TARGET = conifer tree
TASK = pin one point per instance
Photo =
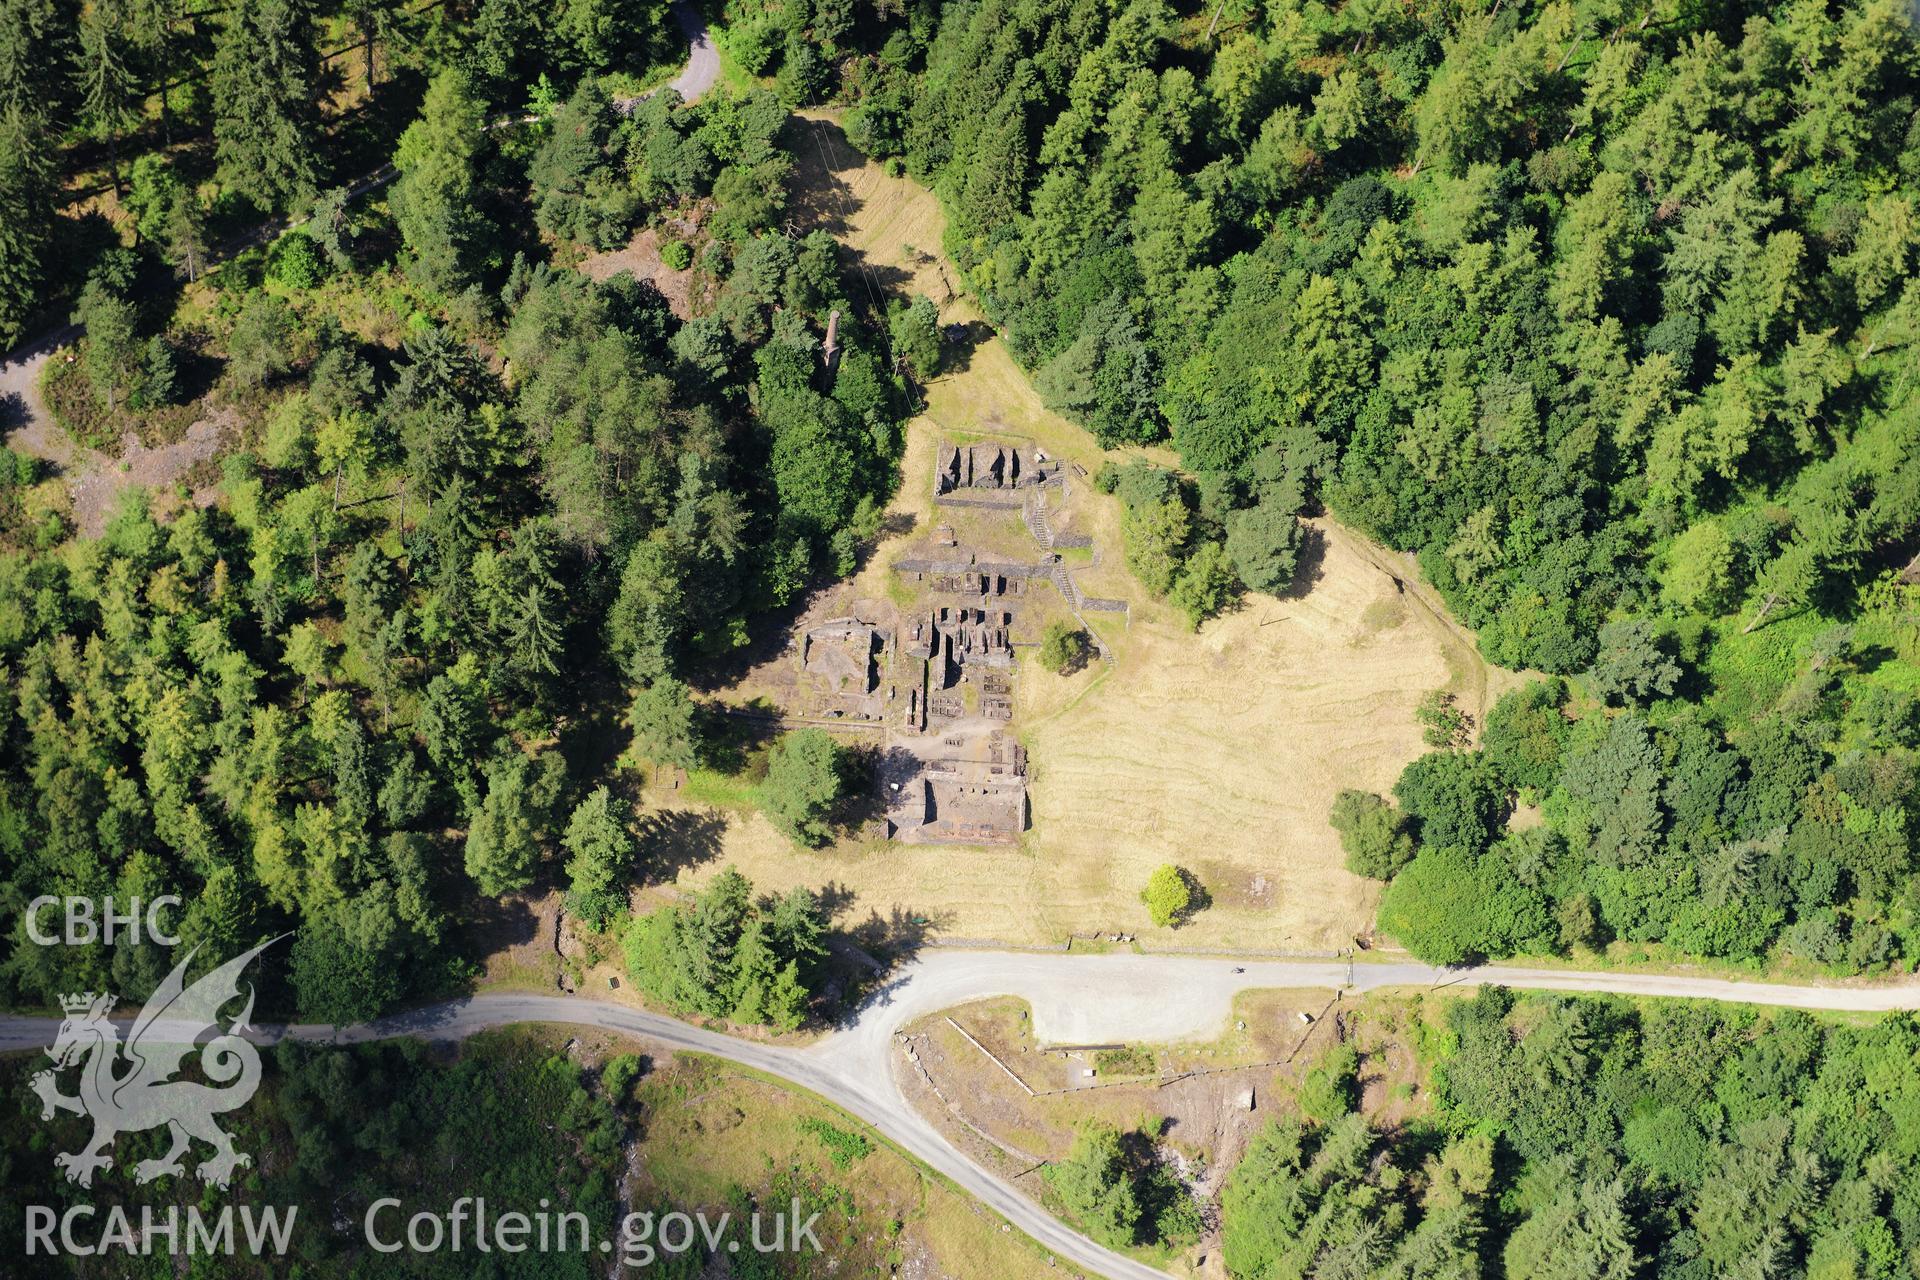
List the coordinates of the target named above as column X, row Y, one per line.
column 26, row 217
column 109, row 89
column 434, row 199
column 501, row 845
column 266, row 125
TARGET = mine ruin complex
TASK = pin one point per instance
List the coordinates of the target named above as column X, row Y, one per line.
column 936, row 677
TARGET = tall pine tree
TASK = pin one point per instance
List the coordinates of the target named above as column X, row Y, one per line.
column 37, row 57
column 26, row 215
column 266, row 125
column 433, row 201
column 110, row 94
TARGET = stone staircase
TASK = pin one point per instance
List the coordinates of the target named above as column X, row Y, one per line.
column 1033, row 511
column 1076, row 601
column 1069, row 589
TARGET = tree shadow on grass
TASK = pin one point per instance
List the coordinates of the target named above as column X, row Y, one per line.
column 676, row 840
column 959, row 342
column 731, row 736
column 505, row 922
column 866, row 953
column 1309, row 566
column 899, row 935
column 864, row 970
column 1198, row 899
column 865, row 800
column 886, row 940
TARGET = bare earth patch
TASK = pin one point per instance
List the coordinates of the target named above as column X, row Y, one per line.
column 94, row 479
column 641, row 256
column 97, row 484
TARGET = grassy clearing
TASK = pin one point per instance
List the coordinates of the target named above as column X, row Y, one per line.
column 1749, row 671
column 712, row 1128
column 721, row 790
column 1220, row 751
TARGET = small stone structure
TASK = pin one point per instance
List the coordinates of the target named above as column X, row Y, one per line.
column 841, row 651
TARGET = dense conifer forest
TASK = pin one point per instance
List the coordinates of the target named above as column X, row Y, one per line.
column 488, row 513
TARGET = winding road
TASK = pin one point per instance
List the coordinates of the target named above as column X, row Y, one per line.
column 1075, row 999
column 703, row 62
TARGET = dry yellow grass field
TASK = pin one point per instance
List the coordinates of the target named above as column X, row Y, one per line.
column 711, row 1128
column 1220, row 751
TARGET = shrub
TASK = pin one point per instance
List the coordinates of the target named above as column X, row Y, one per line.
column 677, row 255
column 296, row 262
column 1373, row 834
column 1332, row 1089
column 844, row 1146
column 618, row 1076
column 1442, row 723
column 1172, row 895
column 1063, row 648
column 596, row 908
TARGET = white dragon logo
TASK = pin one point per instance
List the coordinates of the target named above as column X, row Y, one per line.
column 145, row 1096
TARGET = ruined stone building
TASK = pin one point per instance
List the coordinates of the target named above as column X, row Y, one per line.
column 841, row 651
column 990, row 466
column 953, row 638
column 978, row 797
